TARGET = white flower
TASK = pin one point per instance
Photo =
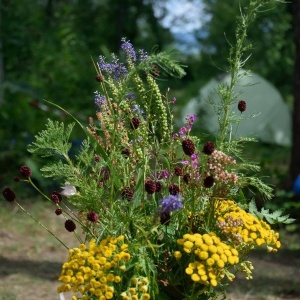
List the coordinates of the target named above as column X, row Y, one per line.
column 68, row 190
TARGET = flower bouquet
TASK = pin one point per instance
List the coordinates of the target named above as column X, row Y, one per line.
column 162, row 211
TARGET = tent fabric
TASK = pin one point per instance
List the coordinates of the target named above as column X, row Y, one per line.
column 267, row 116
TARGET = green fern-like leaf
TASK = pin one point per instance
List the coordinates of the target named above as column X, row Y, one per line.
column 52, row 141
column 58, row 170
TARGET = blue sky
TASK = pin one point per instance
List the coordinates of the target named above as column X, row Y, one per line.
column 183, row 18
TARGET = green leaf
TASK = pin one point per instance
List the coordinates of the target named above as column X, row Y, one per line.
column 52, row 141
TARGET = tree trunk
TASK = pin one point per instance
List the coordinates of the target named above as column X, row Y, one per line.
column 295, row 153
column 1, row 62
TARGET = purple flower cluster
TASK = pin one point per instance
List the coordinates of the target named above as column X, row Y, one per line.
column 142, row 55
column 190, row 119
column 129, row 96
column 115, row 69
column 171, row 203
column 138, row 110
column 128, row 49
column 99, row 100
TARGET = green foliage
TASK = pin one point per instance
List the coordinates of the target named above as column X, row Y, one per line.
column 271, row 217
column 54, row 140
column 271, row 37
column 176, row 200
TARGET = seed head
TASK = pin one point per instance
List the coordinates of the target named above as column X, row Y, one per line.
column 135, row 123
column 125, row 152
column 188, row 147
column 127, row 193
column 92, row 216
column 56, row 197
column 208, row 148
column 8, row 194
column 104, row 173
column 97, row 158
column 187, row 178
column 58, row 211
column 158, row 186
column 242, row 106
column 70, row 225
column 165, row 218
column 208, row 181
column 25, row 171
column 178, row 171
column 150, row 186
column 174, row 189
column 99, row 78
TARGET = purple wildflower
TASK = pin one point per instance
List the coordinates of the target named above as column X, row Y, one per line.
column 171, row 203
column 194, row 158
column 142, row 55
column 163, row 174
column 175, row 136
column 129, row 95
column 138, row 110
column 99, row 100
column 183, row 131
column 190, row 120
column 115, row 69
column 128, row 49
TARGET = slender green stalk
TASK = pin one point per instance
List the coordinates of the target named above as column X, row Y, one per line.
column 38, row 222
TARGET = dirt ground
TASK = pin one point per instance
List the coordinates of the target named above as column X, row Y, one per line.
column 30, row 260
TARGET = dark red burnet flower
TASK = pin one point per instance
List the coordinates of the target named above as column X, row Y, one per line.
column 158, row 186
column 99, row 78
column 188, row 147
column 56, row 197
column 178, row 171
column 97, row 158
column 242, row 106
column 25, row 171
column 8, row 194
column 135, row 123
column 104, row 173
column 58, row 211
column 208, row 148
column 17, row 179
column 208, row 181
column 125, row 152
column 174, row 189
column 92, row 216
column 127, row 193
column 186, row 178
column 165, row 218
column 70, row 225
column 150, row 186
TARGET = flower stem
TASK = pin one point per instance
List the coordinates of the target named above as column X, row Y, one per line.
column 38, row 222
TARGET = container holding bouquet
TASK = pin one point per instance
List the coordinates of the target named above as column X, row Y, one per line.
column 162, row 211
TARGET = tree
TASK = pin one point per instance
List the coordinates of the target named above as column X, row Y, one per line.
column 270, row 36
column 295, row 153
column 47, row 55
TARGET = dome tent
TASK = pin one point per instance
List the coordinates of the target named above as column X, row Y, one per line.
column 272, row 119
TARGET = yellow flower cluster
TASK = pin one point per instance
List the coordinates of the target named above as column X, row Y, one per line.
column 235, row 222
column 95, row 270
column 138, row 289
column 212, row 256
